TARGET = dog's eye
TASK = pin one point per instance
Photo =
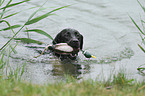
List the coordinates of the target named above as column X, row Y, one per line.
column 77, row 34
column 67, row 34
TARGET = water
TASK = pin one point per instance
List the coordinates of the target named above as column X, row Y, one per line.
column 108, row 33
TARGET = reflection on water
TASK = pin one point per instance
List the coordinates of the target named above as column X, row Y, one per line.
column 71, row 68
column 51, row 70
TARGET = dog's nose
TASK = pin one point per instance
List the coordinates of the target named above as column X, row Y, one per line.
column 75, row 41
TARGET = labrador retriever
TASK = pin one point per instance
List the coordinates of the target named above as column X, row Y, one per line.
column 73, row 38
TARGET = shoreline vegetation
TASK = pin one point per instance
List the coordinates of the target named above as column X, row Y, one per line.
column 11, row 83
column 141, row 68
column 120, row 86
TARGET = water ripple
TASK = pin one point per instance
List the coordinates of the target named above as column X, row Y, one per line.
column 127, row 53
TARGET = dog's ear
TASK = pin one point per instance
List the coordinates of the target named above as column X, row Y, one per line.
column 57, row 39
column 81, row 42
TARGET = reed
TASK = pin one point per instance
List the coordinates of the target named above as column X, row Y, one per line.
column 142, row 35
column 30, row 21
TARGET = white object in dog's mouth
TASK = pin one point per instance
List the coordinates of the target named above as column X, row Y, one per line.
column 64, row 47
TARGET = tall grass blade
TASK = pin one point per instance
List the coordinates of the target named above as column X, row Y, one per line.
column 2, row 2
column 44, row 16
column 142, row 21
column 11, row 27
column 14, row 4
column 27, row 40
column 141, row 6
column 40, row 32
column 13, row 48
column 1, row 21
column 20, row 29
column 35, row 20
column 2, row 64
column 141, row 68
column 17, row 13
column 10, row 15
column 23, row 69
column 15, row 72
column 8, row 25
column 2, row 61
column 142, row 39
column 137, row 25
column 35, row 12
column 5, row 8
column 141, row 48
column 28, row 36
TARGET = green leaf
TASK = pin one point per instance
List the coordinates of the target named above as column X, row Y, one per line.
column 142, row 39
column 2, row 63
column 44, row 16
column 35, row 20
column 19, row 29
column 141, row 6
column 1, row 2
column 11, row 15
column 17, row 13
column 14, row 4
column 137, row 25
column 142, row 21
column 141, row 48
column 28, row 36
column 13, row 48
column 23, row 68
column 11, row 27
column 7, row 24
column 5, row 8
column 141, row 68
column 35, row 12
column 40, row 32
column 27, row 40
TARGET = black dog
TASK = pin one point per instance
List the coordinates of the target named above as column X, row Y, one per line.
column 73, row 38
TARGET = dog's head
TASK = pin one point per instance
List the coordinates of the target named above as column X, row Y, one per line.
column 70, row 36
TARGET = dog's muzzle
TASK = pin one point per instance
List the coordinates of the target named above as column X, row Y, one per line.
column 74, row 43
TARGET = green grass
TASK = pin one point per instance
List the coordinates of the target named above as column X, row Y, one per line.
column 12, row 87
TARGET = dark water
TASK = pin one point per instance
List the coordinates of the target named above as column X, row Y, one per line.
column 108, row 34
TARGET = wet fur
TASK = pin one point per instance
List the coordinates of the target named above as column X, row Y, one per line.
column 73, row 38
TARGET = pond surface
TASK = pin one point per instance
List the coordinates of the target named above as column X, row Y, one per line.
column 108, row 34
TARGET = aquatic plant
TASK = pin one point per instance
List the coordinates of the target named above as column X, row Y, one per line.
column 30, row 21
column 7, row 48
column 142, row 31
column 142, row 35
